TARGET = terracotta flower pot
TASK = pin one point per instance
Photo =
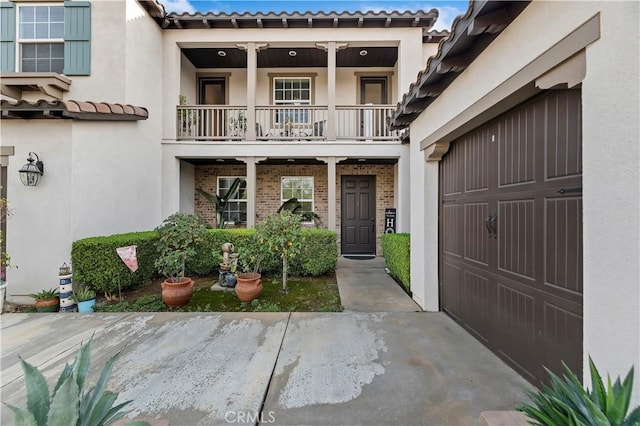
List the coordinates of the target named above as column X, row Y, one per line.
column 48, row 305
column 249, row 286
column 177, row 294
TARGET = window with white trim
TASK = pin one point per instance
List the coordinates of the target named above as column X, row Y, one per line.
column 41, row 38
column 300, row 187
column 236, row 209
column 292, row 91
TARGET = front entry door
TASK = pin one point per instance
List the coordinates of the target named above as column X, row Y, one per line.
column 358, row 230
column 213, row 92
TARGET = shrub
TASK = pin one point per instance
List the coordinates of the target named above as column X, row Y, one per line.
column 97, row 265
column 318, row 253
column 566, row 402
column 70, row 402
column 395, row 249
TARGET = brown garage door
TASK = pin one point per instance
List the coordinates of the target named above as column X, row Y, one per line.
column 511, row 234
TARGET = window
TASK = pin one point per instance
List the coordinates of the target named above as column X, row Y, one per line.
column 41, row 38
column 292, row 91
column 300, row 188
column 236, row 210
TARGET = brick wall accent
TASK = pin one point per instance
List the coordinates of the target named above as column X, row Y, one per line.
column 385, row 196
column 268, row 189
column 268, row 184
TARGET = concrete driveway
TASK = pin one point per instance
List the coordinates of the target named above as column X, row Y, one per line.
column 273, row 368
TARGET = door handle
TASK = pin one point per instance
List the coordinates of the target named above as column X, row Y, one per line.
column 491, row 223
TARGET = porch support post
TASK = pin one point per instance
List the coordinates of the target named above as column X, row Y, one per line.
column 251, row 191
column 252, row 78
column 331, row 91
column 331, row 193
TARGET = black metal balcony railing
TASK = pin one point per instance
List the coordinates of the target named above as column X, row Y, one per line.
column 225, row 122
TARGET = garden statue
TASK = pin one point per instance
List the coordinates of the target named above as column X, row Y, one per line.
column 228, row 267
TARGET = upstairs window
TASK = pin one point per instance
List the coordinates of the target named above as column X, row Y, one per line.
column 292, row 91
column 41, row 38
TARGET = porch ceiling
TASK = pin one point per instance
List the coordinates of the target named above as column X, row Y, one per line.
column 281, row 58
column 288, row 161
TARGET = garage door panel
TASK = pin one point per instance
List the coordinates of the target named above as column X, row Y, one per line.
column 476, row 303
column 517, row 136
column 453, row 229
column 451, row 178
column 516, row 229
column 516, row 335
column 563, row 145
column 563, row 243
column 451, row 289
column 519, row 293
column 476, row 160
column 476, row 239
column 562, row 332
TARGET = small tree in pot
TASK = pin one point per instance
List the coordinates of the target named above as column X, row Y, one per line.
column 281, row 233
column 178, row 235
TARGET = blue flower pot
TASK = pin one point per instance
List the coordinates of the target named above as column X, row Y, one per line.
column 86, row 305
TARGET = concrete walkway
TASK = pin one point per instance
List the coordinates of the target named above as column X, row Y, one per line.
column 378, row 363
column 365, row 287
column 272, row 368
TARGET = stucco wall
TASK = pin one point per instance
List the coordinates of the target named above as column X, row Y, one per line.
column 611, row 154
column 101, row 177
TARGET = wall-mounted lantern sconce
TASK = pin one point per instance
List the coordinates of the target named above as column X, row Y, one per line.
column 31, row 172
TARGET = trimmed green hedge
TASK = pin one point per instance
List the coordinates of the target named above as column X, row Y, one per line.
column 97, row 265
column 395, row 249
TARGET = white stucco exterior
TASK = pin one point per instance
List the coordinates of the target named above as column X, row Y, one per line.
column 611, row 159
column 108, row 177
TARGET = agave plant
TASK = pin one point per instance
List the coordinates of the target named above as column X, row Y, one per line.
column 70, row 403
column 566, row 402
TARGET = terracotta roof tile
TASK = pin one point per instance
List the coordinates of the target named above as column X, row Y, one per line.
column 72, row 109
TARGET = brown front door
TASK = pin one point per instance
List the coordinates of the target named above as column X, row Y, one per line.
column 358, row 230
column 511, row 234
column 212, row 91
column 373, row 91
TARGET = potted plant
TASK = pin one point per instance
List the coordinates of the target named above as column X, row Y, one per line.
column 47, row 300
column 249, row 283
column 186, row 121
column 238, row 125
column 86, row 299
column 177, row 237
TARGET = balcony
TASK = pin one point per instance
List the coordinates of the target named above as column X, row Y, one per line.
column 284, row 123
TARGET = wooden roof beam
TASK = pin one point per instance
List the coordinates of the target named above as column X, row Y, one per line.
column 431, row 90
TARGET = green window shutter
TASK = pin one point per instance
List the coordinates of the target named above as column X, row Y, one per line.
column 77, row 38
column 7, row 37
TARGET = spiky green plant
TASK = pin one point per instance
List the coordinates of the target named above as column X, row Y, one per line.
column 221, row 202
column 70, row 403
column 566, row 402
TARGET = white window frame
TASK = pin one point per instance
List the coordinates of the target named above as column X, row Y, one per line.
column 302, row 116
column 22, row 41
column 313, row 191
column 241, row 200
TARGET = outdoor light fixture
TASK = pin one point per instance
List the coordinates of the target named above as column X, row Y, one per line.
column 222, row 53
column 31, row 172
column 363, row 52
column 292, row 53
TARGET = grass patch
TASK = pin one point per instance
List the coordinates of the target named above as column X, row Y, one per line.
column 306, row 294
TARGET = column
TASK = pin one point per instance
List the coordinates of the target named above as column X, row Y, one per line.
column 331, row 193
column 252, row 78
column 251, row 190
column 331, row 91
column 403, row 191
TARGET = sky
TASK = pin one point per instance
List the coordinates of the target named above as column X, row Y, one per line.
column 448, row 9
